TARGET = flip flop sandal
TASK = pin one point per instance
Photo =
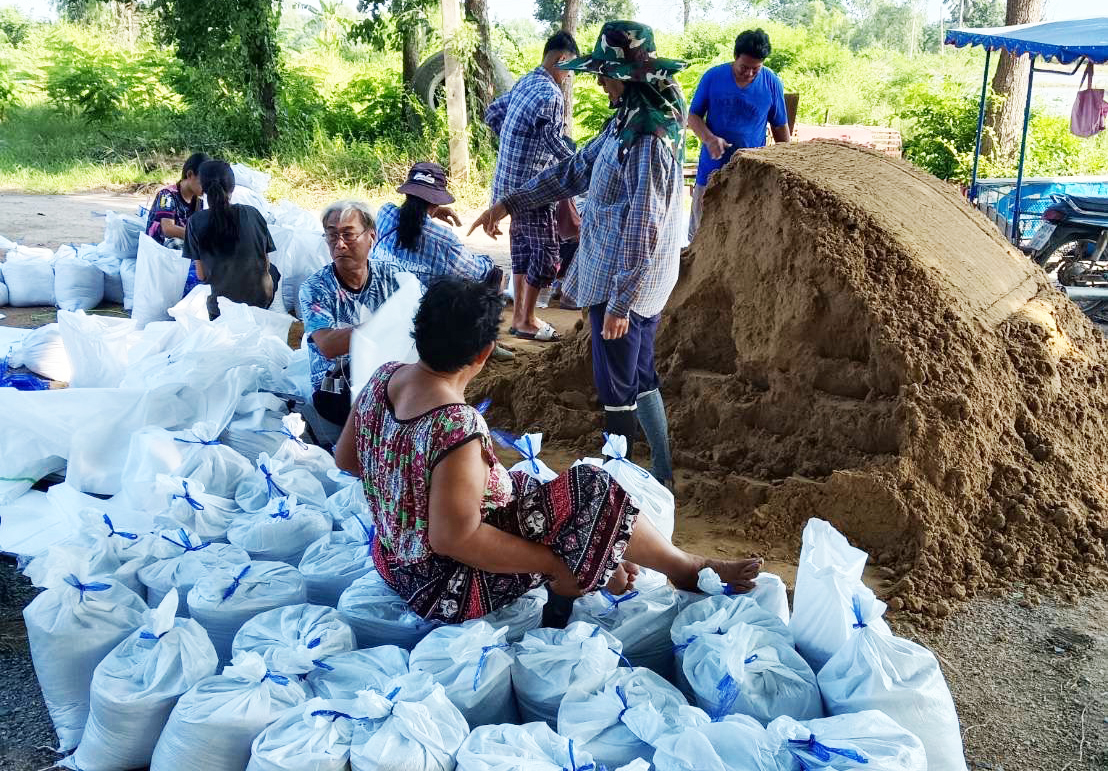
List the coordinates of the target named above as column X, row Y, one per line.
column 545, row 335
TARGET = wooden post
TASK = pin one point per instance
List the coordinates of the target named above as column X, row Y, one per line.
column 455, row 94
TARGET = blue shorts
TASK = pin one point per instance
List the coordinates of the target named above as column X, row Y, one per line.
column 623, row 369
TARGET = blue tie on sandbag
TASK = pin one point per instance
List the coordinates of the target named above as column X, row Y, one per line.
column 823, row 752
column 112, row 531
column 75, row 582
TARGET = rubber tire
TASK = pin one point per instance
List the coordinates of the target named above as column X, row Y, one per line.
column 432, row 73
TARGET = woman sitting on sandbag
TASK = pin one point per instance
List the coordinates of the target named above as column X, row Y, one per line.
column 230, row 244
column 174, row 205
column 458, row 537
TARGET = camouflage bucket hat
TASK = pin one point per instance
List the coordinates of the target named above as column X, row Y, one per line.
column 625, row 51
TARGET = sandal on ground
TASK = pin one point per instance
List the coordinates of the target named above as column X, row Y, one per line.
column 545, row 335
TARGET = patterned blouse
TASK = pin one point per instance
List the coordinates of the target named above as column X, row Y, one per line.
column 397, row 458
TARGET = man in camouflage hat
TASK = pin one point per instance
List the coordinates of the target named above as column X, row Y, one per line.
column 627, row 261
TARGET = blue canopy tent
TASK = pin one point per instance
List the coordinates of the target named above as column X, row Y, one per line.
column 1066, row 42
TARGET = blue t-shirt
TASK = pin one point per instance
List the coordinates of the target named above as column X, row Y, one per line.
column 738, row 115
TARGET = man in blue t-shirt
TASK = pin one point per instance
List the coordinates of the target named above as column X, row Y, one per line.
column 730, row 109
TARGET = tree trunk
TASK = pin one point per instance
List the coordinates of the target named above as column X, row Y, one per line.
column 411, row 51
column 1005, row 120
column 483, row 83
column 688, row 11
column 570, row 14
column 259, row 36
column 455, row 96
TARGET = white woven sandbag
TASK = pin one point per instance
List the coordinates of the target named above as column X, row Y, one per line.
column 128, row 274
column 195, row 453
column 43, row 352
column 300, row 253
column 366, row 669
column 386, row 334
column 187, row 505
column 110, row 264
column 78, row 284
column 227, row 598
column 97, row 347
column 473, row 662
column 349, row 500
column 294, row 639
column 333, row 562
column 160, row 276
column 314, row 736
column 309, row 457
column 650, row 496
column 182, row 573
column 871, row 740
column 108, row 551
column 519, row 616
column 71, row 627
column 875, row 671
column 641, row 620
column 749, row 670
column 247, row 197
column 278, row 479
column 380, row 616
column 137, row 685
column 216, row 721
column 281, row 532
column 528, row 747
column 3, row 294
column 769, row 591
column 251, row 179
column 735, row 742
column 828, row 576
column 411, row 725
column 548, row 662
column 623, row 718
column 529, row 446
column 290, row 215
column 257, row 426
column 121, row 233
column 29, row 276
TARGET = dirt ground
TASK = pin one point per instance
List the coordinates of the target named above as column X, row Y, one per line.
column 1029, row 675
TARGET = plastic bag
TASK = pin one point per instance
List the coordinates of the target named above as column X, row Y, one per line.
column 529, row 446
column 215, row 722
column 300, row 253
column 735, row 742
column 111, row 266
column 257, row 426
column 97, row 347
column 875, row 671
column 641, row 620
column 473, row 662
column 43, row 352
column 294, row 452
column 252, row 179
column 387, row 334
column 519, row 616
column 136, row 686
column 188, row 506
column 311, row 737
column 278, row 479
column 335, row 561
column 160, row 275
column 71, row 627
column 620, row 721
column 871, row 740
column 380, row 616
column 650, row 496
column 412, row 726
column 349, row 500
column 29, row 276
column 366, row 669
column 529, row 747
column 227, row 598
column 294, row 639
column 548, row 662
column 78, row 285
column 128, row 273
column 769, row 591
column 827, row 578
column 122, row 232
column 281, row 532
column 183, row 572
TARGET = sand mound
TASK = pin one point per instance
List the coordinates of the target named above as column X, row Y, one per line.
column 851, row 340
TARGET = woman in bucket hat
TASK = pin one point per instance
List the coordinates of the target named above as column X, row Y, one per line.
column 628, row 257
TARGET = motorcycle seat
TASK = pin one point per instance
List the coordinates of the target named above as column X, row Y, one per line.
column 1098, row 205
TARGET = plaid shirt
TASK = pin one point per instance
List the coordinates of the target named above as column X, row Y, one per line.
column 440, row 252
column 631, row 226
column 530, row 122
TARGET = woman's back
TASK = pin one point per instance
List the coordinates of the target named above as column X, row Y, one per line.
column 236, row 268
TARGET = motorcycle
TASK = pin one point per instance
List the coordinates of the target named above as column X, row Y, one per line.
column 1071, row 245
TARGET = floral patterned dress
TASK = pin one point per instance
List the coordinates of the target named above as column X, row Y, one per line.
column 583, row 515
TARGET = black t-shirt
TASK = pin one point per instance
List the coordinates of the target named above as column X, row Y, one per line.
column 238, row 271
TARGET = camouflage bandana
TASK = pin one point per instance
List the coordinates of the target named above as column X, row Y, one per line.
column 652, row 102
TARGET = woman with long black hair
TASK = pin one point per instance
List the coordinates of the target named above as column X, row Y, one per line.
column 230, row 244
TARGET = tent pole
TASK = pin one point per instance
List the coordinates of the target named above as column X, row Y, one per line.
column 980, row 126
column 1017, row 235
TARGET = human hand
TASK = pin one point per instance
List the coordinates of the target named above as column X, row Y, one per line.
column 447, row 215
column 489, row 220
column 563, row 582
column 717, row 146
column 614, row 327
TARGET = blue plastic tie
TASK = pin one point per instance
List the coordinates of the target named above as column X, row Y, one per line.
column 686, row 644
column 623, row 698
column 614, row 602
column 483, row 406
column 321, row 665
column 392, row 694
column 20, row 381
column 205, row 442
column 75, row 582
column 283, row 432
column 334, row 714
column 638, row 470
column 622, row 659
column 230, row 590
column 823, row 752
column 196, row 505
column 279, row 679
column 856, row 603
column 485, row 651
column 151, row 636
column 271, row 486
column 282, row 510
column 187, row 545
column 573, row 762
column 112, row 531
column 370, row 531
column 529, row 453
column 728, row 695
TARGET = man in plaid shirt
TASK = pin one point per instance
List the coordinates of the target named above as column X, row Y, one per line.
column 627, row 262
column 530, row 121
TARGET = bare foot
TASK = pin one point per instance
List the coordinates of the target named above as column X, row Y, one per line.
column 619, row 581
column 740, row 574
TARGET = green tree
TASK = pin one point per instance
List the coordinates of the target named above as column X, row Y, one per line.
column 329, row 24
column 14, row 26
column 592, row 12
column 398, row 25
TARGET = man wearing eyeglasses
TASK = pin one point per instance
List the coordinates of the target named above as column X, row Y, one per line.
column 332, row 299
column 732, row 105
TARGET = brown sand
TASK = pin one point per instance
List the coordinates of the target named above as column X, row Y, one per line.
column 850, row 340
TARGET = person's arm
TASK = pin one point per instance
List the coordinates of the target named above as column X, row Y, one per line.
column 319, row 324
column 779, row 115
column 551, row 126
column 332, row 343
column 495, row 114
column 170, row 228
column 698, row 109
column 781, row 134
column 190, row 250
column 455, row 529
column 346, row 453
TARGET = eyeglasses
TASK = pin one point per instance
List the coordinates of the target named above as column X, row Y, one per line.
column 347, row 237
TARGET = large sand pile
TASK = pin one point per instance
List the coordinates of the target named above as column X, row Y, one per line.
column 851, row 340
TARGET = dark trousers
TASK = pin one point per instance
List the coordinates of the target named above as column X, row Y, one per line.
column 623, row 368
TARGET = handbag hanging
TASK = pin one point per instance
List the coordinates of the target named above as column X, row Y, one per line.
column 1089, row 111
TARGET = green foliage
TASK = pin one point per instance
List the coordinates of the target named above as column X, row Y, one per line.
column 14, row 26
column 944, row 127
column 593, row 12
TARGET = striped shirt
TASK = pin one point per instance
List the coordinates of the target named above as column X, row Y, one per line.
column 439, row 253
column 630, row 229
